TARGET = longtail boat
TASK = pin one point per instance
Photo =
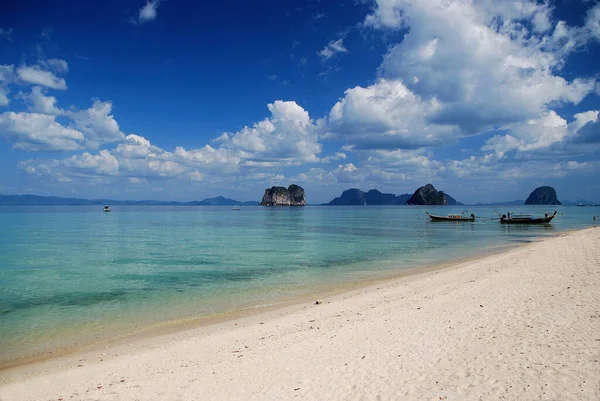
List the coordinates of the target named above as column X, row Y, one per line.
column 526, row 219
column 451, row 217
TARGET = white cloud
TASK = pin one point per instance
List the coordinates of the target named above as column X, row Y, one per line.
column 6, row 77
column 592, row 21
column 334, row 47
column 221, row 159
column 335, row 156
column 58, row 65
column 549, row 132
column 40, row 103
column 38, row 132
column 288, row 136
column 97, row 123
column 4, row 100
column 196, row 176
column 35, row 75
column 385, row 115
column 477, row 59
column 102, row 163
column 148, row 12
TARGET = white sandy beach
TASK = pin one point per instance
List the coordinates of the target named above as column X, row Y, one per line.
column 522, row 325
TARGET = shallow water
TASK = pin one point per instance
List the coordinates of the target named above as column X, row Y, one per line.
column 71, row 275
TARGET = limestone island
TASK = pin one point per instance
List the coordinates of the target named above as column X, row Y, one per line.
column 428, row 195
column 543, row 196
column 282, row 196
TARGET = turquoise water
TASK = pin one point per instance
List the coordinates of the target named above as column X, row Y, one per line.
column 72, row 275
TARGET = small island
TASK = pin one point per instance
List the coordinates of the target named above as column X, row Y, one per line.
column 282, row 196
column 428, row 195
column 543, row 196
column 355, row 196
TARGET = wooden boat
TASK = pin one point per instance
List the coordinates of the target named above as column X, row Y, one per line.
column 452, row 217
column 526, row 219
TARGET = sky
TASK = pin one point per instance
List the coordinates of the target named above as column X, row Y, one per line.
column 180, row 100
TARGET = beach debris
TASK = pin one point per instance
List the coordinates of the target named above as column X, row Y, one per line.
column 481, row 306
column 99, row 386
column 296, row 389
column 318, row 302
column 122, row 380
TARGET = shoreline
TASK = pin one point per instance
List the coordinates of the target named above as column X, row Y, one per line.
column 98, row 356
column 174, row 326
column 522, row 324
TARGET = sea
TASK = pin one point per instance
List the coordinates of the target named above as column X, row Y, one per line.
column 72, row 276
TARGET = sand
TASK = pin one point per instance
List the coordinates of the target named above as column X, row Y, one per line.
column 521, row 325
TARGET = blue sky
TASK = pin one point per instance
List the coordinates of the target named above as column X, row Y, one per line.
column 182, row 100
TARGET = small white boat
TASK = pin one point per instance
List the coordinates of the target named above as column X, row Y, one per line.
column 235, row 208
column 106, row 208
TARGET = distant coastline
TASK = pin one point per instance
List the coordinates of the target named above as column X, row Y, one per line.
column 38, row 200
column 28, row 199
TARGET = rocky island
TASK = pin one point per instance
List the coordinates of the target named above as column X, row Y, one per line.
column 543, row 196
column 282, row 196
column 355, row 196
column 428, row 195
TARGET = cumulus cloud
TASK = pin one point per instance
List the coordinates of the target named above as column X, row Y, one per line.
column 102, row 163
column 94, row 126
column 4, row 100
column 334, row 47
column 6, row 78
column 148, row 11
column 40, row 103
column 37, row 76
column 289, row 135
column 97, row 124
column 549, row 132
column 286, row 138
column 462, row 67
column 57, row 65
column 386, row 115
column 477, row 59
column 38, row 132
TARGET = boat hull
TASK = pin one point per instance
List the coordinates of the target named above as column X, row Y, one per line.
column 447, row 218
column 539, row 220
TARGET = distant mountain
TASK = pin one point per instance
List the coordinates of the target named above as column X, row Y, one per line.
column 55, row 200
column 428, row 195
column 507, row 203
column 543, row 196
column 579, row 202
column 355, row 196
column 222, row 201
